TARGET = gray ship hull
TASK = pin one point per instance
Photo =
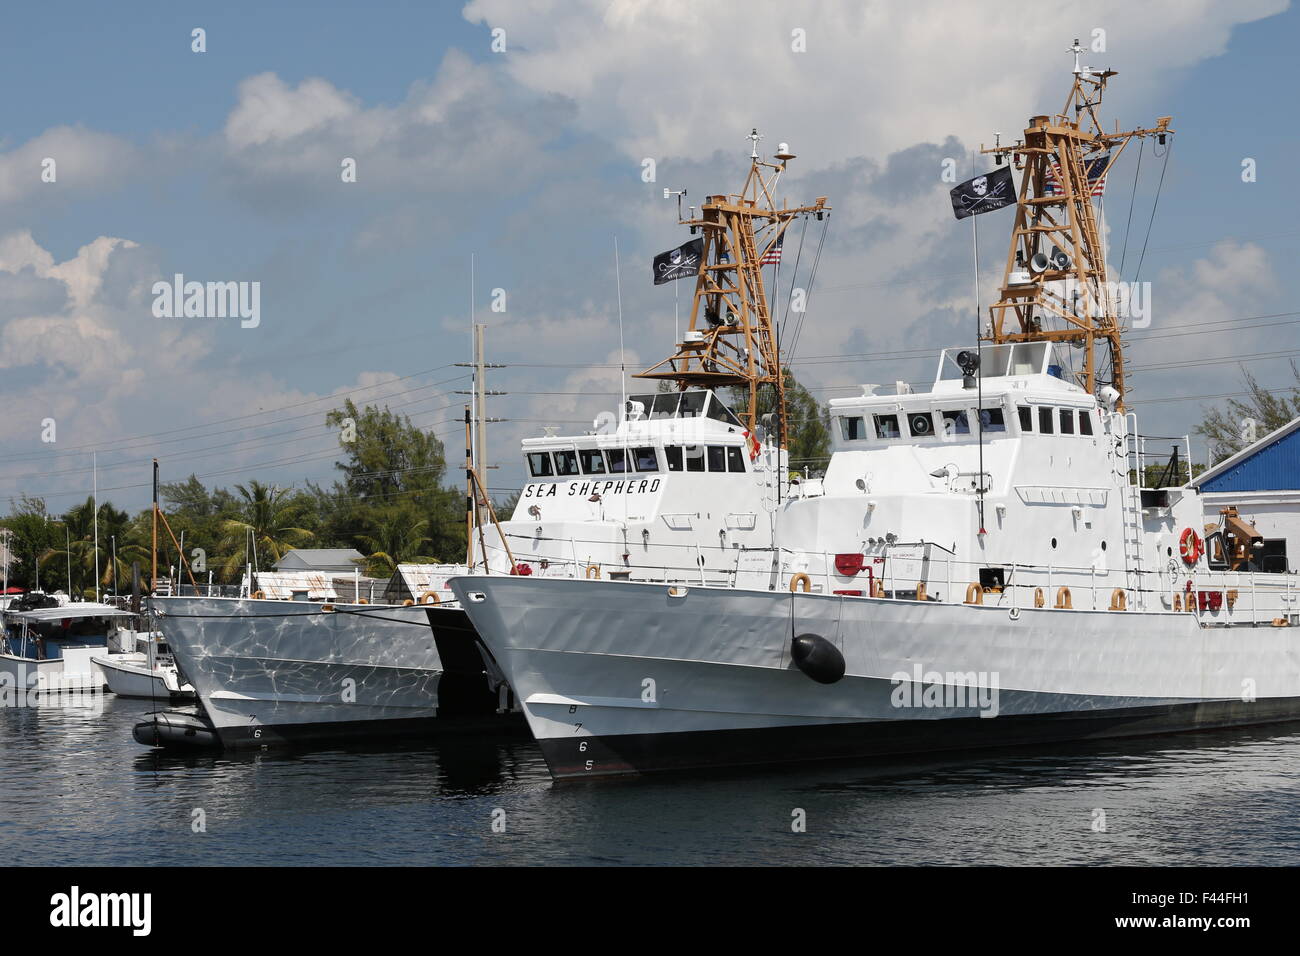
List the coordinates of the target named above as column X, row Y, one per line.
column 622, row 678
column 273, row 672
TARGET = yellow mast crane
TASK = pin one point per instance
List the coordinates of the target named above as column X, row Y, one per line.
column 1056, row 265
column 731, row 339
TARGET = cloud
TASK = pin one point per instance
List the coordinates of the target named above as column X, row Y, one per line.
column 667, row 77
column 467, row 133
column 84, row 349
column 85, row 161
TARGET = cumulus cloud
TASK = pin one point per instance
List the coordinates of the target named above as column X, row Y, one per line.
column 664, row 77
column 467, row 128
column 84, row 161
column 85, row 350
column 883, row 93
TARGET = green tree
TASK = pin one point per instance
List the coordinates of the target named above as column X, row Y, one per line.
column 1242, row 421
column 74, row 554
column 270, row 517
column 392, row 473
column 385, row 454
column 196, row 516
column 31, row 535
column 807, row 422
column 394, row 535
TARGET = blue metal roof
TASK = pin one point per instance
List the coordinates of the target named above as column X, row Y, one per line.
column 1273, row 464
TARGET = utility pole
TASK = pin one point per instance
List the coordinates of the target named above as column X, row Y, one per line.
column 479, row 393
column 94, row 472
column 480, row 396
column 153, row 574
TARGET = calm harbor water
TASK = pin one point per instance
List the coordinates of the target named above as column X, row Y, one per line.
column 76, row 789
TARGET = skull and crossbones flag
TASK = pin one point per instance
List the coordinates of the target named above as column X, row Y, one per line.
column 679, row 263
column 983, row 193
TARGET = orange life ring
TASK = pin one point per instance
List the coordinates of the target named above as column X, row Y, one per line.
column 1190, row 546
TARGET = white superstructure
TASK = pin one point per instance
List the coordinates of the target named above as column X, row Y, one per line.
column 984, row 549
column 677, row 491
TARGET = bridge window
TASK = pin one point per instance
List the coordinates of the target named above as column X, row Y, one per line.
column 673, row 455
column 717, row 458
column 735, row 460
column 721, row 413
column 616, row 463
column 1067, row 421
column 887, row 426
column 1026, row 418
column 593, row 462
column 645, row 459
column 1045, row 421
column 992, row 420
column 539, row 463
column 853, row 428
column 566, row 463
column 692, row 404
column 956, row 422
column 694, row 457
column 920, row 424
column 1085, row 422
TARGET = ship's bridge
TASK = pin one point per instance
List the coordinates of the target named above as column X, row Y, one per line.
column 916, row 442
column 692, row 431
column 672, row 488
column 1042, row 364
column 1006, row 391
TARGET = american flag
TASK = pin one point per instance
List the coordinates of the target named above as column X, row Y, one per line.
column 773, row 254
column 1097, row 170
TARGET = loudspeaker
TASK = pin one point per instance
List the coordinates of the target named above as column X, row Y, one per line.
column 1039, row 262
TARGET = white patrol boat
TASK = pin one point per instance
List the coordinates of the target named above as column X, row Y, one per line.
column 678, row 489
column 986, row 564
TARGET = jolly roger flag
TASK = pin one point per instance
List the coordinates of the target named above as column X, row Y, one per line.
column 983, row 194
column 679, row 263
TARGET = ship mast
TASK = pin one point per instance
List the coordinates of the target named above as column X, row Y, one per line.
column 1055, row 285
column 731, row 339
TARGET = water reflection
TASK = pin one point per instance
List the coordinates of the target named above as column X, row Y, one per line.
column 94, row 796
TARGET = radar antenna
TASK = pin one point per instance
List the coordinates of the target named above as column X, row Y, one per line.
column 731, row 340
column 1055, row 287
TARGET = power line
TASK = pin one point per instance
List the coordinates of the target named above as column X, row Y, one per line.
column 222, row 421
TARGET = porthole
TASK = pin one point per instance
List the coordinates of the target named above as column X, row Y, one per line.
column 1169, row 552
column 1103, row 546
column 1053, row 544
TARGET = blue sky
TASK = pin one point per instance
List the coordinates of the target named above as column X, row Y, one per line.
column 224, row 166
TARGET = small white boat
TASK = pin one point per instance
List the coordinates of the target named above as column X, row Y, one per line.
column 149, row 673
column 54, row 648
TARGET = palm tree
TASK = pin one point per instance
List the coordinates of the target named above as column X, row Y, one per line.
column 393, row 539
column 79, row 549
column 268, row 515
